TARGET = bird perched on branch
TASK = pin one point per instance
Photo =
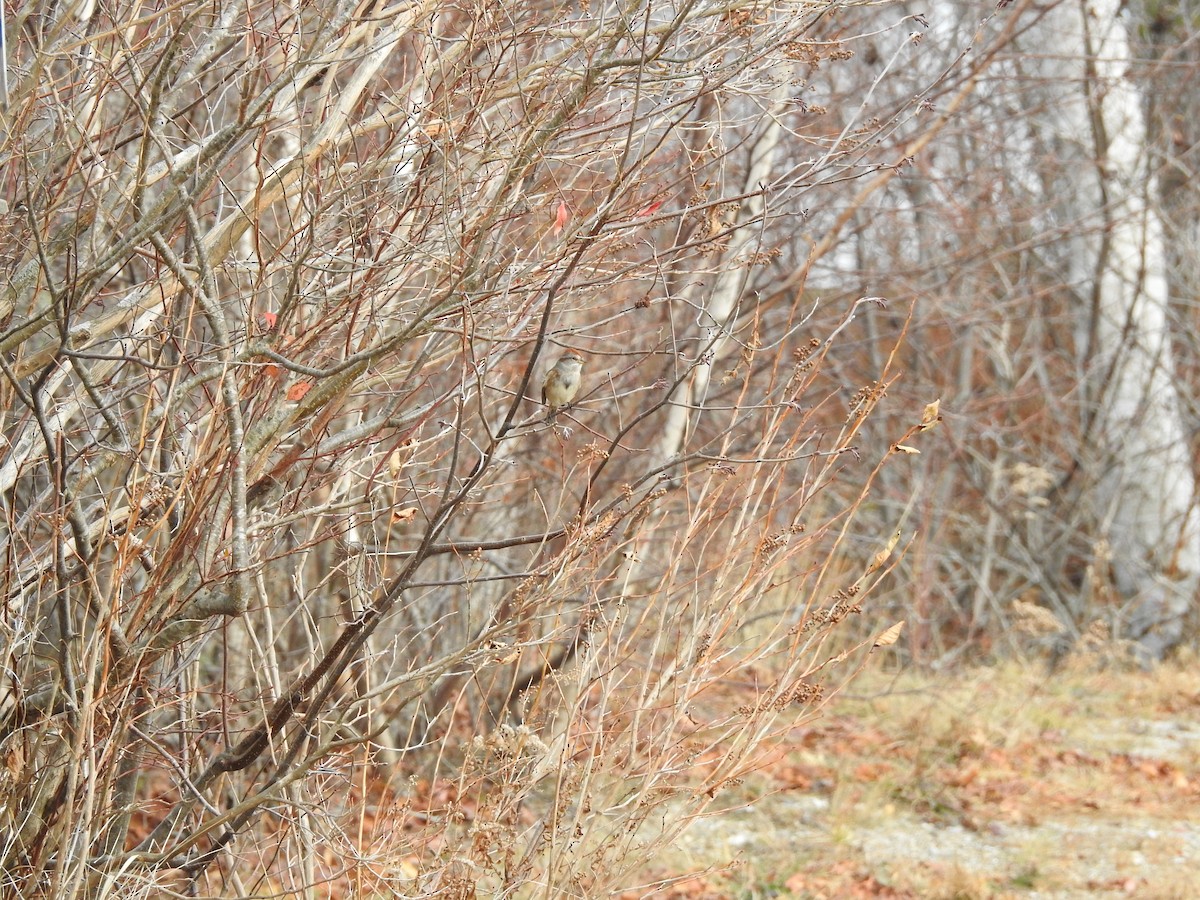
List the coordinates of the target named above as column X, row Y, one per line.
column 562, row 382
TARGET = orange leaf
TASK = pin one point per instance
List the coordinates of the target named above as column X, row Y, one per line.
column 272, row 370
column 298, row 390
column 403, row 515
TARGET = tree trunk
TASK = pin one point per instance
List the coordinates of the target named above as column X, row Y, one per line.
column 1145, row 483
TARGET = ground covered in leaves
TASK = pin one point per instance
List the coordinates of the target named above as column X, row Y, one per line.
column 998, row 782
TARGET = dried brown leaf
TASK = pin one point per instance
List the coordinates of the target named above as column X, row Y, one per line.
column 890, row 636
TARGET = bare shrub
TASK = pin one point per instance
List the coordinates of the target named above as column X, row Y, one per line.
column 301, row 586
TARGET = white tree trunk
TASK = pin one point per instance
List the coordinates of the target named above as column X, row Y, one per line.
column 1146, row 485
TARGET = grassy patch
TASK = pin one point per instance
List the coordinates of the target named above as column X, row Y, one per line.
column 993, row 782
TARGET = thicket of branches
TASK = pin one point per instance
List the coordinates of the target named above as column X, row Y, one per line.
column 990, row 240
column 301, row 586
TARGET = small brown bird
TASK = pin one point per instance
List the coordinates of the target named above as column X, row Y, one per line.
column 563, row 381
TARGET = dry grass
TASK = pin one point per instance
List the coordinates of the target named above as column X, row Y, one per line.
column 997, row 782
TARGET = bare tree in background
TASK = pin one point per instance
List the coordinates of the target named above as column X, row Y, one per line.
column 1051, row 272
column 1146, row 485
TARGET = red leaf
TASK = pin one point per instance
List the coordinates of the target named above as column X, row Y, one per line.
column 562, row 216
column 650, row 210
column 298, row 390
